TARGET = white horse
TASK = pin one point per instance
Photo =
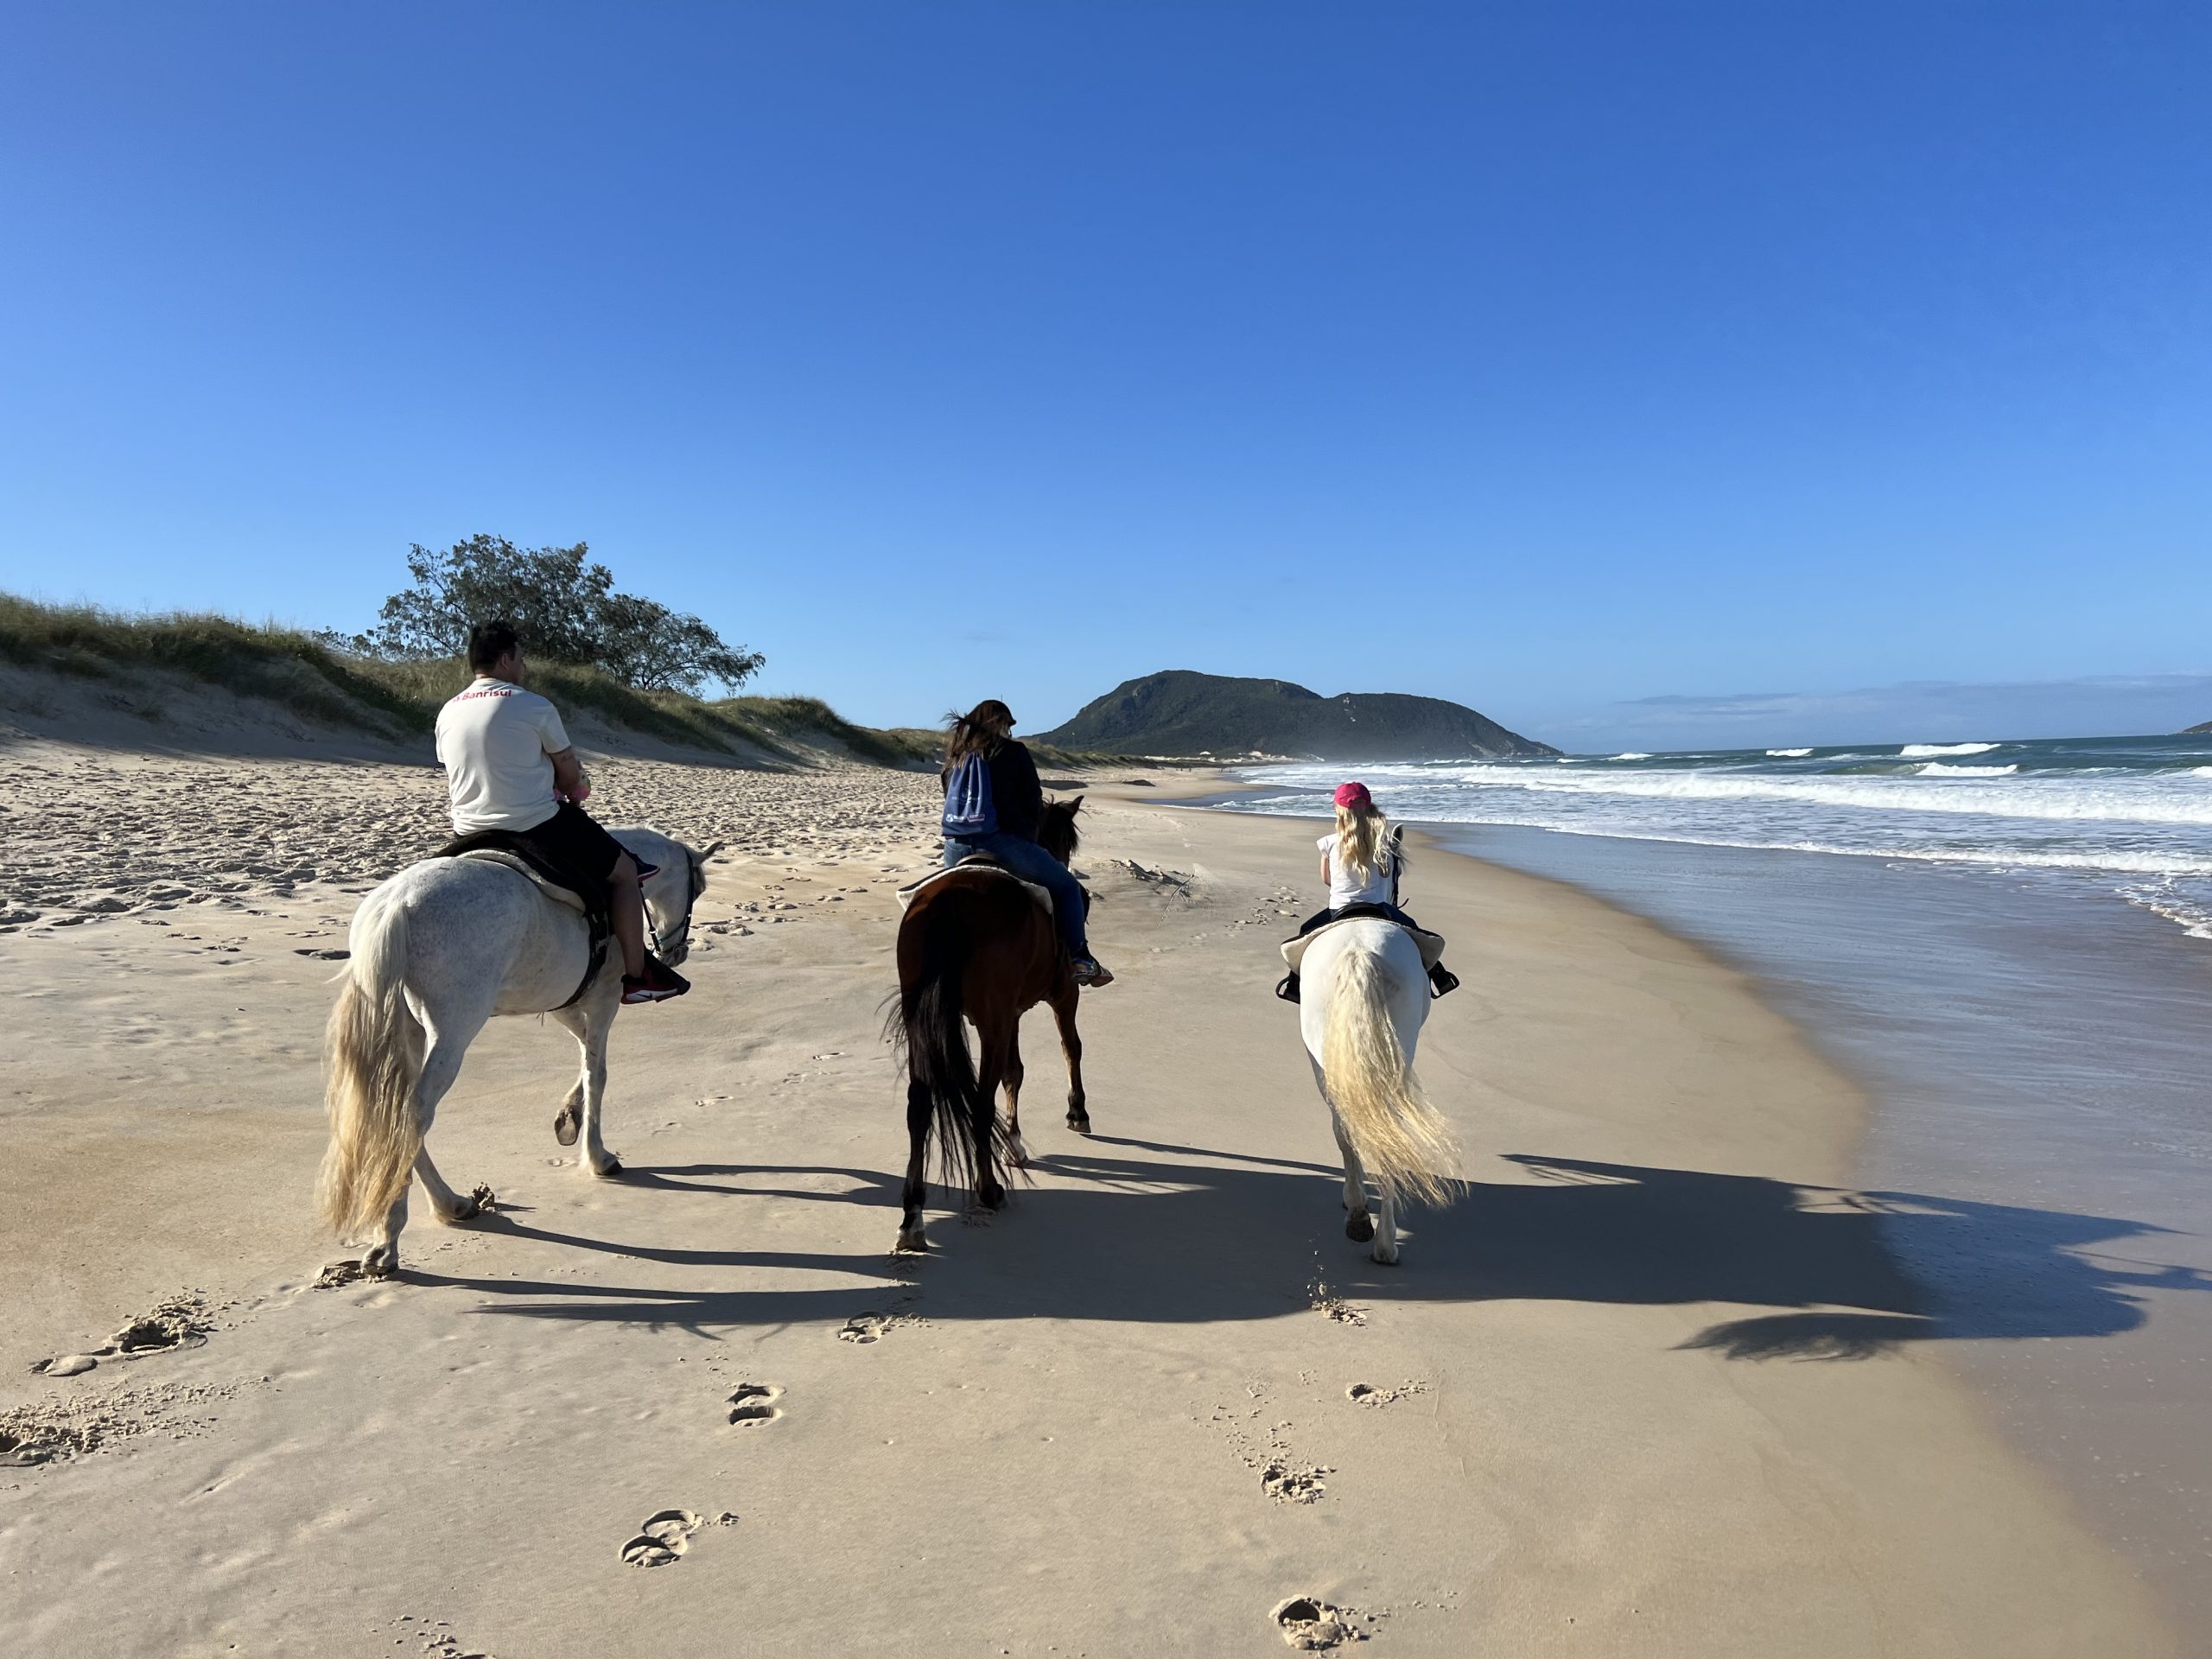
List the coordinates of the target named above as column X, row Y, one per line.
column 1365, row 995
column 438, row 949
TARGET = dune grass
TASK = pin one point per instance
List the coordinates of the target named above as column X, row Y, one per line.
column 304, row 674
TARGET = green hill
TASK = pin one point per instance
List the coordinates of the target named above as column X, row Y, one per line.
column 1183, row 713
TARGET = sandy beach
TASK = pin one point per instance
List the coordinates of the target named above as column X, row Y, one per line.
column 1600, row 1407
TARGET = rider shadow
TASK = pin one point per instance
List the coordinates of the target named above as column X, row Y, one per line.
column 1204, row 1236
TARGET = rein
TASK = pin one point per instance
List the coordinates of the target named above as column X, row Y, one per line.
column 681, row 932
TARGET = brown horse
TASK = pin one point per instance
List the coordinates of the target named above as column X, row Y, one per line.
column 978, row 946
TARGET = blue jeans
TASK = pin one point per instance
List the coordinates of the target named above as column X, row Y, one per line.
column 1032, row 863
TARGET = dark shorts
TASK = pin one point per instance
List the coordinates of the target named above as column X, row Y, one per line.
column 574, row 839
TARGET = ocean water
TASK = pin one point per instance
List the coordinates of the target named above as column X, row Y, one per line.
column 2130, row 815
column 2016, row 961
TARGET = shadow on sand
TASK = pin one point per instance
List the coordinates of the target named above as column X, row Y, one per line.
column 1200, row 1235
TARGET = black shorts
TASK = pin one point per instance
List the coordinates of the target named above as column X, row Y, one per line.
column 573, row 838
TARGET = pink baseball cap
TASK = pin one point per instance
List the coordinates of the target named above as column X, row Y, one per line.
column 1353, row 795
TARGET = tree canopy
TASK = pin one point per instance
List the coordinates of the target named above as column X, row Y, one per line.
column 563, row 604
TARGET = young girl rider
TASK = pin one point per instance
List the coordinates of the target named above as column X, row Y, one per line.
column 1361, row 862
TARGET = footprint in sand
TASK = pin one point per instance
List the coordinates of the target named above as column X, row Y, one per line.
column 662, row 1539
column 864, row 1327
column 755, row 1403
column 182, row 1321
column 1311, row 1625
column 1366, row 1394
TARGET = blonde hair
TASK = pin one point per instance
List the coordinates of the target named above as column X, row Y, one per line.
column 1363, row 846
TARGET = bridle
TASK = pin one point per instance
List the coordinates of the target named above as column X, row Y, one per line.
column 681, row 932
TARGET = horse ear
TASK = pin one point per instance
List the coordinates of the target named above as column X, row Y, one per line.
column 1073, row 806
column 700, row 858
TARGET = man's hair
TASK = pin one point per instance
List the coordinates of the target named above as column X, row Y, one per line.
column 489, row 641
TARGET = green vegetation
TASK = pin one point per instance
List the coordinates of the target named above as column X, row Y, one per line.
column 309, row 676
column 565, row 608
column 1183, row 713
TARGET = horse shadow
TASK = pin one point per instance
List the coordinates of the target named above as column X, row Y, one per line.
column 1198, row 1235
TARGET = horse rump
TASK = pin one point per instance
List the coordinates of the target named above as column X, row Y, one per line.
column 1401, row 1137
column 373, row 1047
column 944, row 1097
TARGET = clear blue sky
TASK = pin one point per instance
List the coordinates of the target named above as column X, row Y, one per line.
column 1549, row 356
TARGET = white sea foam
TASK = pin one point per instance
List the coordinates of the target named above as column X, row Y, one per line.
column 1918, row 751
column 1790, row 754
column 1938, row 769
column 1631, row 754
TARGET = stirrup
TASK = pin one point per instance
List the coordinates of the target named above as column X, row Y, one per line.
column 1442, row 982
column 1288, row 989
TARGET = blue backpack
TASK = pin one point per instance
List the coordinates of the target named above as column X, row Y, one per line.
column 970, row 812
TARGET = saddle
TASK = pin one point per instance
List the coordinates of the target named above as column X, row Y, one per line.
column 590, row 899
column 1430, row 945
column 975, row 864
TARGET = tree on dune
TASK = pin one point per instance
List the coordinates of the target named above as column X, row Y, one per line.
column 565, row 608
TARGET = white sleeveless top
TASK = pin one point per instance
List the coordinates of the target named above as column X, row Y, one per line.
column 1346, row 889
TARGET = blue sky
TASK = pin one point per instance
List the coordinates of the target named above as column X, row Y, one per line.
column 1554, row 359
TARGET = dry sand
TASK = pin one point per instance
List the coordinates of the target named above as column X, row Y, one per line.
column 1151, row 1405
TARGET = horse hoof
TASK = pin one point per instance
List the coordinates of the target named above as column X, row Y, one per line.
column 1359, row 1228
column 1017, row 1154
column 1385, row 1261
column 1079, row 1122
column 611, row 1170
column 566, row 1126
column 911, row 1242
column 381, row 1263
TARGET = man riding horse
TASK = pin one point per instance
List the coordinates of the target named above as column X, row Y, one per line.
column 510, row 766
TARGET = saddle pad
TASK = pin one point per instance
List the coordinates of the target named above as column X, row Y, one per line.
column 908, row 893
column 1432, row 945
column 560, row 895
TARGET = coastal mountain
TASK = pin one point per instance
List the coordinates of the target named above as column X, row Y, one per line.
column 2192, row 731
column 1183, row 713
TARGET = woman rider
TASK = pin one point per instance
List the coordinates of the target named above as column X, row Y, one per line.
column 1006, row 827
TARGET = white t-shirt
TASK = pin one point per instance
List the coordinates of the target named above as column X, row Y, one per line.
column 494, row 740
column 1346, row 889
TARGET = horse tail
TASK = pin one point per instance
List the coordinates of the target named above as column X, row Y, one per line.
column 1400, row 1137
column 374, row 1046
column 938, row 1065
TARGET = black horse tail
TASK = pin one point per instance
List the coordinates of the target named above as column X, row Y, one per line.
column 940, row 1072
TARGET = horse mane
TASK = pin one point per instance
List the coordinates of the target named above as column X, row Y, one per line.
column 1056, row 830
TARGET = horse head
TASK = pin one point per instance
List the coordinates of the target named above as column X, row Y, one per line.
column 1056, row 830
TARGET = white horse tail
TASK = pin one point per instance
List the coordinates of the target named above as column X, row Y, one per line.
column 374, row 1046
column 1402, row 1138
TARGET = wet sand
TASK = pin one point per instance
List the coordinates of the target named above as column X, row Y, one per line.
column 699, row 1408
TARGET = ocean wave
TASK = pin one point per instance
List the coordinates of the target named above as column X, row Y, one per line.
column 1938, row 769
column 2039, row 797
column 1789, row 754
column 1918, row 750
column 1632, row 754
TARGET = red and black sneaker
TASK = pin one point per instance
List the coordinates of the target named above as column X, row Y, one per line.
column 656, row 984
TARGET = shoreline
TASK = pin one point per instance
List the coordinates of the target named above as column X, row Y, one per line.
column 1577, row 1457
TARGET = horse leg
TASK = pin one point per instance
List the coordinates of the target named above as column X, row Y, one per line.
column 1064, row 1005
column 569, row 1118
column 917, row 1191
column 441, row 1065
column 1359, row 1226
column 590, row 1026
column 994, row 1043
column 1016, row 1153
column 1386, row 1232
column 450, row 1207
